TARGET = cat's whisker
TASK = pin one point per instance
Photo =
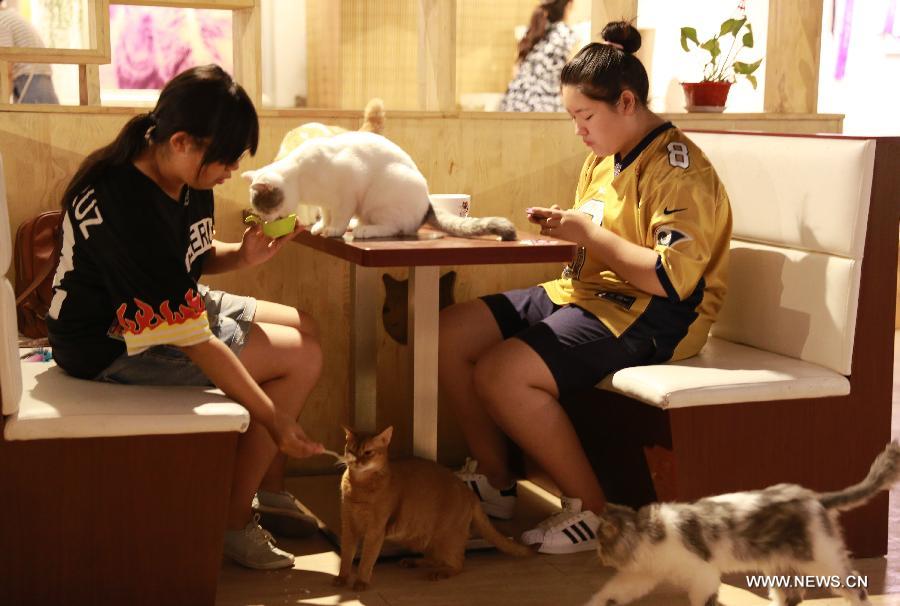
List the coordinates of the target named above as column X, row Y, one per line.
column 341, row 459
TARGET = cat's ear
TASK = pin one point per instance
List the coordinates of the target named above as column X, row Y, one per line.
column 347, row 431
column 262, row 187
column 384, row 438
column 249, row 175
column 607, row 529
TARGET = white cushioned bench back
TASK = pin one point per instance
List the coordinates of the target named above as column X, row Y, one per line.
column 800, row 207
column 10, row 369
column 5, row 232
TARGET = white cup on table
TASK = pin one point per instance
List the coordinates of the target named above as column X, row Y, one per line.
column 455, row 204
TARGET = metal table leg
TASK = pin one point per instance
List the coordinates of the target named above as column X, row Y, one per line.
column 424, row 299
column 363, row 345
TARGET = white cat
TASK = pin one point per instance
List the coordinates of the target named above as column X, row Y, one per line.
column 362, row 175
column 783, row 531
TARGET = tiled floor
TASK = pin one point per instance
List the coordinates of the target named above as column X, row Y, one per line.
column 493, row 579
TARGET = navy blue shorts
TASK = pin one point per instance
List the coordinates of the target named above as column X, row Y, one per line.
column 578, row 348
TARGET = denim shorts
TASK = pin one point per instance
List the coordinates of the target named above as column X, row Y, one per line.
column 230, row 317
column 578, row 348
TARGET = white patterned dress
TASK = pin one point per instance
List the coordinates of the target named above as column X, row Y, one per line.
column 536, row 85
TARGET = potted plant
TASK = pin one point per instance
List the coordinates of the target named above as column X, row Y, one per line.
column 721, row 71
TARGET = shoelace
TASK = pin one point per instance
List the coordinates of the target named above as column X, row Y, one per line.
column 467, row 471
column 560, row 519
column 258, row 534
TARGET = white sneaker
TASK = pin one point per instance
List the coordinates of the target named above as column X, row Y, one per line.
column 498, row 504
column 569, row 531
column 253, row 547
column 284, row 515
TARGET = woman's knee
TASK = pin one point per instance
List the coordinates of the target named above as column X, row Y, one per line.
column 308, row 325
column 465, row 331
column 307, row 355
column 508, row 373
column 490, row 377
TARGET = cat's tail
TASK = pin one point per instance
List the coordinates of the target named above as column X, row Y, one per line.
column 468, row 227
column 373, row 117
column 492, row 535
column 884, row 472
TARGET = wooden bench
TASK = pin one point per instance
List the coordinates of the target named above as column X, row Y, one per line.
column 795, row 382
column 109, row 494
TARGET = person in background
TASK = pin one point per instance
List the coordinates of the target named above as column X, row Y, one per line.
column 543, row 50
column 31, row 82
column 653, row 225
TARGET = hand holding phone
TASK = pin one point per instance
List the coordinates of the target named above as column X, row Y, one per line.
column 538, row 214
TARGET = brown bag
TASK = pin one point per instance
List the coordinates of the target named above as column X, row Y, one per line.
column 37, row 253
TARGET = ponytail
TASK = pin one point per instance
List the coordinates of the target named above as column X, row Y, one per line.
column 547, row 12
column 130, row 141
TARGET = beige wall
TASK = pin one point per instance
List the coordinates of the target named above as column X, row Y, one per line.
column 505, row 161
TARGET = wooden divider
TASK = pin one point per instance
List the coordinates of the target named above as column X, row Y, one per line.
column 505, row 161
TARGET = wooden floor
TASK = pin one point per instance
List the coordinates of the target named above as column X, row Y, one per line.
column 490, row 578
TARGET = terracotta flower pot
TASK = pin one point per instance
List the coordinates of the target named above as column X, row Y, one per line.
column 705, row 96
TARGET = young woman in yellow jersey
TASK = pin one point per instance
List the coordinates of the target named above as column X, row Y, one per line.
column 653, row 224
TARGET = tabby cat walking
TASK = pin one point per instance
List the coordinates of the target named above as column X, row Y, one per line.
column 783, row 530
column 414, row 502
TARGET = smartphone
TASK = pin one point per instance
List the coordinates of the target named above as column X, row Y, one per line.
column 536, row 213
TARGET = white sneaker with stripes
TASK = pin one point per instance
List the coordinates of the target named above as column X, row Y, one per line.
column 569, row 531
column 498, row 504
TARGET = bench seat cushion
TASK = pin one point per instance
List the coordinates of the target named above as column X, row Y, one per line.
column 725, row 373
column 55, row 405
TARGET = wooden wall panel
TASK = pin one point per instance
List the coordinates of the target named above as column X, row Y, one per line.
column 323, row 50
column 486, row 49
column 505, row 161
column 792, row 76
column 378, row 47
column 436, row 52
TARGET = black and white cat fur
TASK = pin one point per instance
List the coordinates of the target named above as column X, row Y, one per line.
column 362, row 175
column 782, row 530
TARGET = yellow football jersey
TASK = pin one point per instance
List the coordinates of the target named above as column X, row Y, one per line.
column 664, row 195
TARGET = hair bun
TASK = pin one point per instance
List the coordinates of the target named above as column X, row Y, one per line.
column 624, row 34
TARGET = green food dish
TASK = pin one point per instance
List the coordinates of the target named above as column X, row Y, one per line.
column 278, row 227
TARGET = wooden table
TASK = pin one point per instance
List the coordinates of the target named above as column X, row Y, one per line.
column 423, row 255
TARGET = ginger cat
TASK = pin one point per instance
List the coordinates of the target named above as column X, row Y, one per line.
column 373, row 122
column 414, row 502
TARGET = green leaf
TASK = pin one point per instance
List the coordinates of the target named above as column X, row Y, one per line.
column 712, row 45
column 752, row 80
column 688, row 33
column 748, row 37
column 732, row 26
column 746, row 68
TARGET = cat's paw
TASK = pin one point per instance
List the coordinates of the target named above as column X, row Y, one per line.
column 317, row 228
column 440, row 574
column 339, row 581
column 360, row 585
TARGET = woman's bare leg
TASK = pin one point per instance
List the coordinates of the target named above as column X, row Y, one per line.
column 283, row 315
column 286, row 362
column 521, row 397
column 467, row 331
